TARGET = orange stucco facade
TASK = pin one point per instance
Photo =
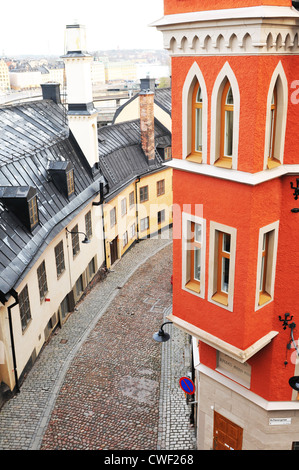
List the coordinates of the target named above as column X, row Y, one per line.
column 185, row 6
column 245, row 207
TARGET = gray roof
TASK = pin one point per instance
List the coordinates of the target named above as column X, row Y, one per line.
column 121, row 156
column 32, row 136
column 162, row 98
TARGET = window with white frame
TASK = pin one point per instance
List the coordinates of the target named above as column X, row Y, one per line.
column 277, row 102
column 225, row 117
column 193, row 254
column 194, row 116
column 222, row 264
column 266, row 265
column 125, row 239
column 144, row 224
column 132, row 230
column 123, row 206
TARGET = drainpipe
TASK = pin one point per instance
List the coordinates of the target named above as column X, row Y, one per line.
column 99, row 203
column 136, row 205
column 9, row 308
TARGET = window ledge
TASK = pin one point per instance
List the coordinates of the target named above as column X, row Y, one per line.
column 273, row 163
column 264, row 298
column 194, row 286
column 224, row 162
column 241, row 355
column 193, row 157
column 220, row 298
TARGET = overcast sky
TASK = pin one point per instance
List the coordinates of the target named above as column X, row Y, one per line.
column 36, row 27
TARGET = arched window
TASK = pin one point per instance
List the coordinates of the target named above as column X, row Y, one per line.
column 197, row 122
column 225, row 118
column 226, row 127
column 194, row 116
column 272, row 161
column 275, row 129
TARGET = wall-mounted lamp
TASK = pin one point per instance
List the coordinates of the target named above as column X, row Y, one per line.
column 285, row 323
column 86, row 239
column 161, row 336
column 296, row 189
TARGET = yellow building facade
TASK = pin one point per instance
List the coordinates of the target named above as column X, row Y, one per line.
column 141, row 210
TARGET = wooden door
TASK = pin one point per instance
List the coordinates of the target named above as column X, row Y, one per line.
column 113, row 251
column 227, row 435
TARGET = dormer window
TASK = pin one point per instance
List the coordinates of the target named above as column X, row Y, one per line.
column 33, row 212
column 62, row 175
column 22, row 201
column 70, row 182
column 167, row 154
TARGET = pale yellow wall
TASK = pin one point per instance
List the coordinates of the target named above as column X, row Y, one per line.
column 146, row 209
column 122, row 223
column 156, row 203
column 41, row 311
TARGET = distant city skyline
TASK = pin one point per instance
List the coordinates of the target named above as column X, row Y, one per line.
column 39, row 28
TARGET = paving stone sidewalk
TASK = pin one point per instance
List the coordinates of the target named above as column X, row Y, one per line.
column 90, row 352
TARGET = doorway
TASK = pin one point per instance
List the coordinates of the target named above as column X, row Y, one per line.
column 227, row 435
column 113, row 251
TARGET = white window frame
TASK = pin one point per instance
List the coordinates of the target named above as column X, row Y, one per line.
column 186, row 221
column 213, row 263
column 272, row 258
column 226, row 73
column 132, row 231
column 278, row 76
column 194, row 75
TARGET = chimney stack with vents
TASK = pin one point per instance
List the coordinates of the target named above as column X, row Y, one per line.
column 147, row 124
column 82, row 115
column 51, row 91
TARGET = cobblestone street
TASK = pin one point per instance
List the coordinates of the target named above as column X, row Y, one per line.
column 102, row 382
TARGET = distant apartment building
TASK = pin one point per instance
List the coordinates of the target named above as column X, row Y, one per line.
column 22, row 80
column 123, row 70
column 26, row 79
column 4, row 77
column 97, row 72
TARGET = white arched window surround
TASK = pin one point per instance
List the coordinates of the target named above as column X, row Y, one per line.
column 280, row 80
column 194, row 75
column 225, row 74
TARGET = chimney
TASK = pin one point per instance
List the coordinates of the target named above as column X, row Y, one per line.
column 51, row 91
column 147, row 124
column 82, row 115
column 147, row 84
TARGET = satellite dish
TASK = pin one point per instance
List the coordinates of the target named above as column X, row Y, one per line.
column 294, row 383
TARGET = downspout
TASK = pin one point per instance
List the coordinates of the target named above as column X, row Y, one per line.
column 100, row 203
column 136, row 211
column 9, row 308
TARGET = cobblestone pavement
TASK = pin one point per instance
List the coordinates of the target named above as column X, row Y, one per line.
column 102, row 382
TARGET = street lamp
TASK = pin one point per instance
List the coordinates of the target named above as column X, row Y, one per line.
column 161, row 336
column 86, row 239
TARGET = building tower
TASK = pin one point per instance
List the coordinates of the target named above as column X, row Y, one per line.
column 235, row 165
column 81, row 112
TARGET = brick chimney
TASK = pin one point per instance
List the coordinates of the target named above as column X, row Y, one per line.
column 147, row 124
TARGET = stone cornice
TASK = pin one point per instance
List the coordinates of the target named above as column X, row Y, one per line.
column 254, row 30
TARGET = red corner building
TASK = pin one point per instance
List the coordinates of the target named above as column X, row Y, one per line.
column 235, row 114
